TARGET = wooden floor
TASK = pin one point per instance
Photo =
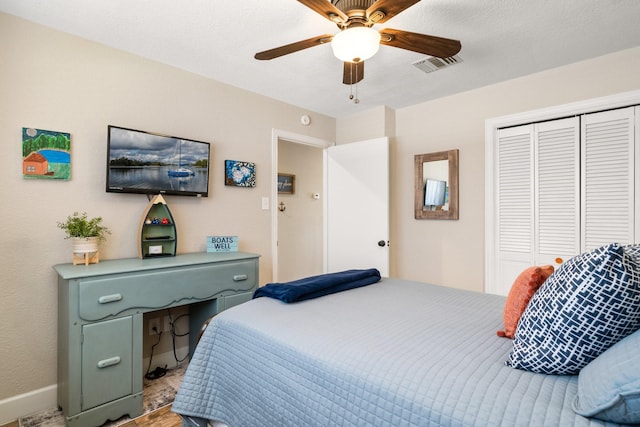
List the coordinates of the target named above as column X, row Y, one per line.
column 162, row 417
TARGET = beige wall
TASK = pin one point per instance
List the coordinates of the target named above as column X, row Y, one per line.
column 452, row 252
column 54, row 81
column 368, row 124
column 300, row 238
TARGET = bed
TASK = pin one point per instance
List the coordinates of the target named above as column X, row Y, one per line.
column 392, row 353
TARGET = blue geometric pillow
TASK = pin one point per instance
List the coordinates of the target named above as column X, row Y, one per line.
column 632, row 250
column 588, row 304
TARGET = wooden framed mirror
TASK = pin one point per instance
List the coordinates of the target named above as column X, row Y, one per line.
column 436, row 185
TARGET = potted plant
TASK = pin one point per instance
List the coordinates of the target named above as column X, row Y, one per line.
column 85, row 233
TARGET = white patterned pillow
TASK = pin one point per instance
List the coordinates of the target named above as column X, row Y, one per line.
column 588, row 304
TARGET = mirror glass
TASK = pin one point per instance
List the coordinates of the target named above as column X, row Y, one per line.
column 436, row 185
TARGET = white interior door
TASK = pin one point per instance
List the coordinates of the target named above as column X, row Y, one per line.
column 358, row 206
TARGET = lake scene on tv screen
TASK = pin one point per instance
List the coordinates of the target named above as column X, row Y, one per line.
column 141, row 161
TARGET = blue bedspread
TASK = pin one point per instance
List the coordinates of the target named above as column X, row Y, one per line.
column 317, row 286
column 393, row 354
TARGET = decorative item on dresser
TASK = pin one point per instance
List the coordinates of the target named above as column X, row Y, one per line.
column 157, row 231
column 85, row 234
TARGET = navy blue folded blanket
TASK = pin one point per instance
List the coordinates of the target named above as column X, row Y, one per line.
column 317, row 286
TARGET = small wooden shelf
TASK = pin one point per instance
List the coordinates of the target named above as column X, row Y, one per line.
column 157, row 231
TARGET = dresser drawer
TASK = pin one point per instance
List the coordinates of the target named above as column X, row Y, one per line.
column 107, row 360
column 100, row 297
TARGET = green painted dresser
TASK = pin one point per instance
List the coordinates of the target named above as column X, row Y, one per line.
column 100, row 309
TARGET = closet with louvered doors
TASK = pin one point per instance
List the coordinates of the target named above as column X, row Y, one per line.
column 562, row 187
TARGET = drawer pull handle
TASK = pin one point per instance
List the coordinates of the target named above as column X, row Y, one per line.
column 109, row 298
column 109, row 362
column 240, row 277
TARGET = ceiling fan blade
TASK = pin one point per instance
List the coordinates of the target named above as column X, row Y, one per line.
column 389, row 9
column 293, row 47
column 326, row 9
column 421, row 43
column 353, row 72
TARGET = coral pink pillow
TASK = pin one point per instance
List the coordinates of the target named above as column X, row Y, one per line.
column 526, row 284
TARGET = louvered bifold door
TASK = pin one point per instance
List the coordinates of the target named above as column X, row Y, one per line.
column 607, row 144
column 557, row 191
column 514, row 204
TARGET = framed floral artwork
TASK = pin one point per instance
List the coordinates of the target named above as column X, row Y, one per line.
column 239, row 173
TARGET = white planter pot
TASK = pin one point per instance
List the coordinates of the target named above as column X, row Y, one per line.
column 83, row 245
column 85, row 250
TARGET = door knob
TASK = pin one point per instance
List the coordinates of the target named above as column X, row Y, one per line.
column 381, row 243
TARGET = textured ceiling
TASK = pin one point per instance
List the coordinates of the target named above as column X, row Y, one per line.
column 501, row 40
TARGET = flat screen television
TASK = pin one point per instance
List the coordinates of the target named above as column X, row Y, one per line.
column 150, row 163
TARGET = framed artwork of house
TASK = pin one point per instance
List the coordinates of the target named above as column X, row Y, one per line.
column 46, row 154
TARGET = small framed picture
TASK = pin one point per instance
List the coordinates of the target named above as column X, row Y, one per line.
column 46, row 154
column 155, row 249
column 239, row 174
column 286, row 183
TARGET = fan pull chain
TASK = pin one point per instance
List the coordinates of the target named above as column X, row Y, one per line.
column 355, row 99
column 351, row 81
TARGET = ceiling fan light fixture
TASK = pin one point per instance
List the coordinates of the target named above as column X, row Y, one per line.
column 355, row 44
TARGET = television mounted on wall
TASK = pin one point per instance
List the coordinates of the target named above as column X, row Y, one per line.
column 150, row 163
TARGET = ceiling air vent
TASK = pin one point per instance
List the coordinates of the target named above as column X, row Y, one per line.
column 433, row 63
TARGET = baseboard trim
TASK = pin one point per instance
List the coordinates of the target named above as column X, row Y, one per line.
column 15, row 407
column 22, row 405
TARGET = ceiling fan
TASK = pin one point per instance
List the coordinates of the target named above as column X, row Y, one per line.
column 358, row 16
